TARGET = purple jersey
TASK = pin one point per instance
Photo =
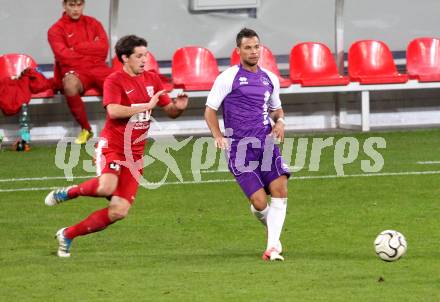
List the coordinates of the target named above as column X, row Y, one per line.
column 246, row 98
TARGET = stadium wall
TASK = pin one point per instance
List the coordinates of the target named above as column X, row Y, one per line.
column 169, row 24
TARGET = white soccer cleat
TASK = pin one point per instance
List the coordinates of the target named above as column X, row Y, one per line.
column 57, row 196
column 272, row 254
column 63, row 244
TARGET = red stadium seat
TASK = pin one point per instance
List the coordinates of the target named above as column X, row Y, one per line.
column 423, row 59
column 151, row 65
column 312, row 64
column 371, row 62
column 14, row 64
column 194, row 68
column 267, row 60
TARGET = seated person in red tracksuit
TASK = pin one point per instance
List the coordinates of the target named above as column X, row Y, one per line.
column 80, row 46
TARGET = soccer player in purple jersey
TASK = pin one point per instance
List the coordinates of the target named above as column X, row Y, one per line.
column 249, row 97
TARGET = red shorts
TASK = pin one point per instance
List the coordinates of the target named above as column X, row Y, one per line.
column 108, row 161
column 93, row 77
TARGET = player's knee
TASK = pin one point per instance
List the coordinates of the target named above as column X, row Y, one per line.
column 280, row 192
column 106, row 189
column 71, row 85
column 118, row 212
column 258, row 202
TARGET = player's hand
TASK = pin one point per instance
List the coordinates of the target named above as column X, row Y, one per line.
column 221, row 142
column 278, row 131
column 153, row 101
column 181, row 101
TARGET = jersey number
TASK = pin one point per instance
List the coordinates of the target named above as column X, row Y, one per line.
column 142, row 116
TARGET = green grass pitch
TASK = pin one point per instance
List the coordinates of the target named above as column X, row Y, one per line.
column 197, row 241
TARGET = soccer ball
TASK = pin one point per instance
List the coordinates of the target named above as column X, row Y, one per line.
column 390, row 245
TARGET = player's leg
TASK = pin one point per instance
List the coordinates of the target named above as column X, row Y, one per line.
column 261, row 216
column 120, row 203
column 73, row 87
column 96, row 221
column 99, row 220
column 275, row 180
column 102, row 186
column 277, row 212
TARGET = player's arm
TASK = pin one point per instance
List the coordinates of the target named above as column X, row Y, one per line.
column 278, row 128
column 213, row 125
column 98, row 47
column 175, row 108
column 221, row 88
column 60, row 49
column 118, row 111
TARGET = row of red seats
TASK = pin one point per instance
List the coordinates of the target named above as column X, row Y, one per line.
column 310, row 64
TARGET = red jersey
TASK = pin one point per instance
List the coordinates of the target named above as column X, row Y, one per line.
column 78, row 44
column 123, row 89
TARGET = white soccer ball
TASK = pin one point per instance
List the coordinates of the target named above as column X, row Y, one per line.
column 390, row 245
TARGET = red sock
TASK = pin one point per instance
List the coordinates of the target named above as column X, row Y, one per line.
column 97, row 221
column 87, row 188
column 76, row 106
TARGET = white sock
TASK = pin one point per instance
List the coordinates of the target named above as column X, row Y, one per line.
column 275, row 220
column 260, row 215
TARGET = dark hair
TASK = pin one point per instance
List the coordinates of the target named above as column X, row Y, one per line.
column 82, row 1
column 127, row 44
column 245, row 33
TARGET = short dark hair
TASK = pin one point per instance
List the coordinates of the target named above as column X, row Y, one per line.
column 245, row 33
column 127, row 44
column 82, row 1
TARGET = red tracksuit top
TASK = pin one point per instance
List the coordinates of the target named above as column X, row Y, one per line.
column 78, row 44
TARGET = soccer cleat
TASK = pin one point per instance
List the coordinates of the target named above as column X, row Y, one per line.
column 272, row 254
column 83, row 137
column 57, row 196
column 63, row 244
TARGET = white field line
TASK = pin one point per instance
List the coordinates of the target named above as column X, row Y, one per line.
column 232, row 180
column 214, row 171
column 428, row 162
column 42, row 178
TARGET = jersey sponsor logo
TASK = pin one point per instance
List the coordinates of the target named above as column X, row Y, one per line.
column 114, row 166
column 265, row 81
column 243, row 81
column 150, row 91
column 129, row 91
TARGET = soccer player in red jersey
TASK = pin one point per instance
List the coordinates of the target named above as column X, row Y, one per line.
column 129, row 97
column 80, row 46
